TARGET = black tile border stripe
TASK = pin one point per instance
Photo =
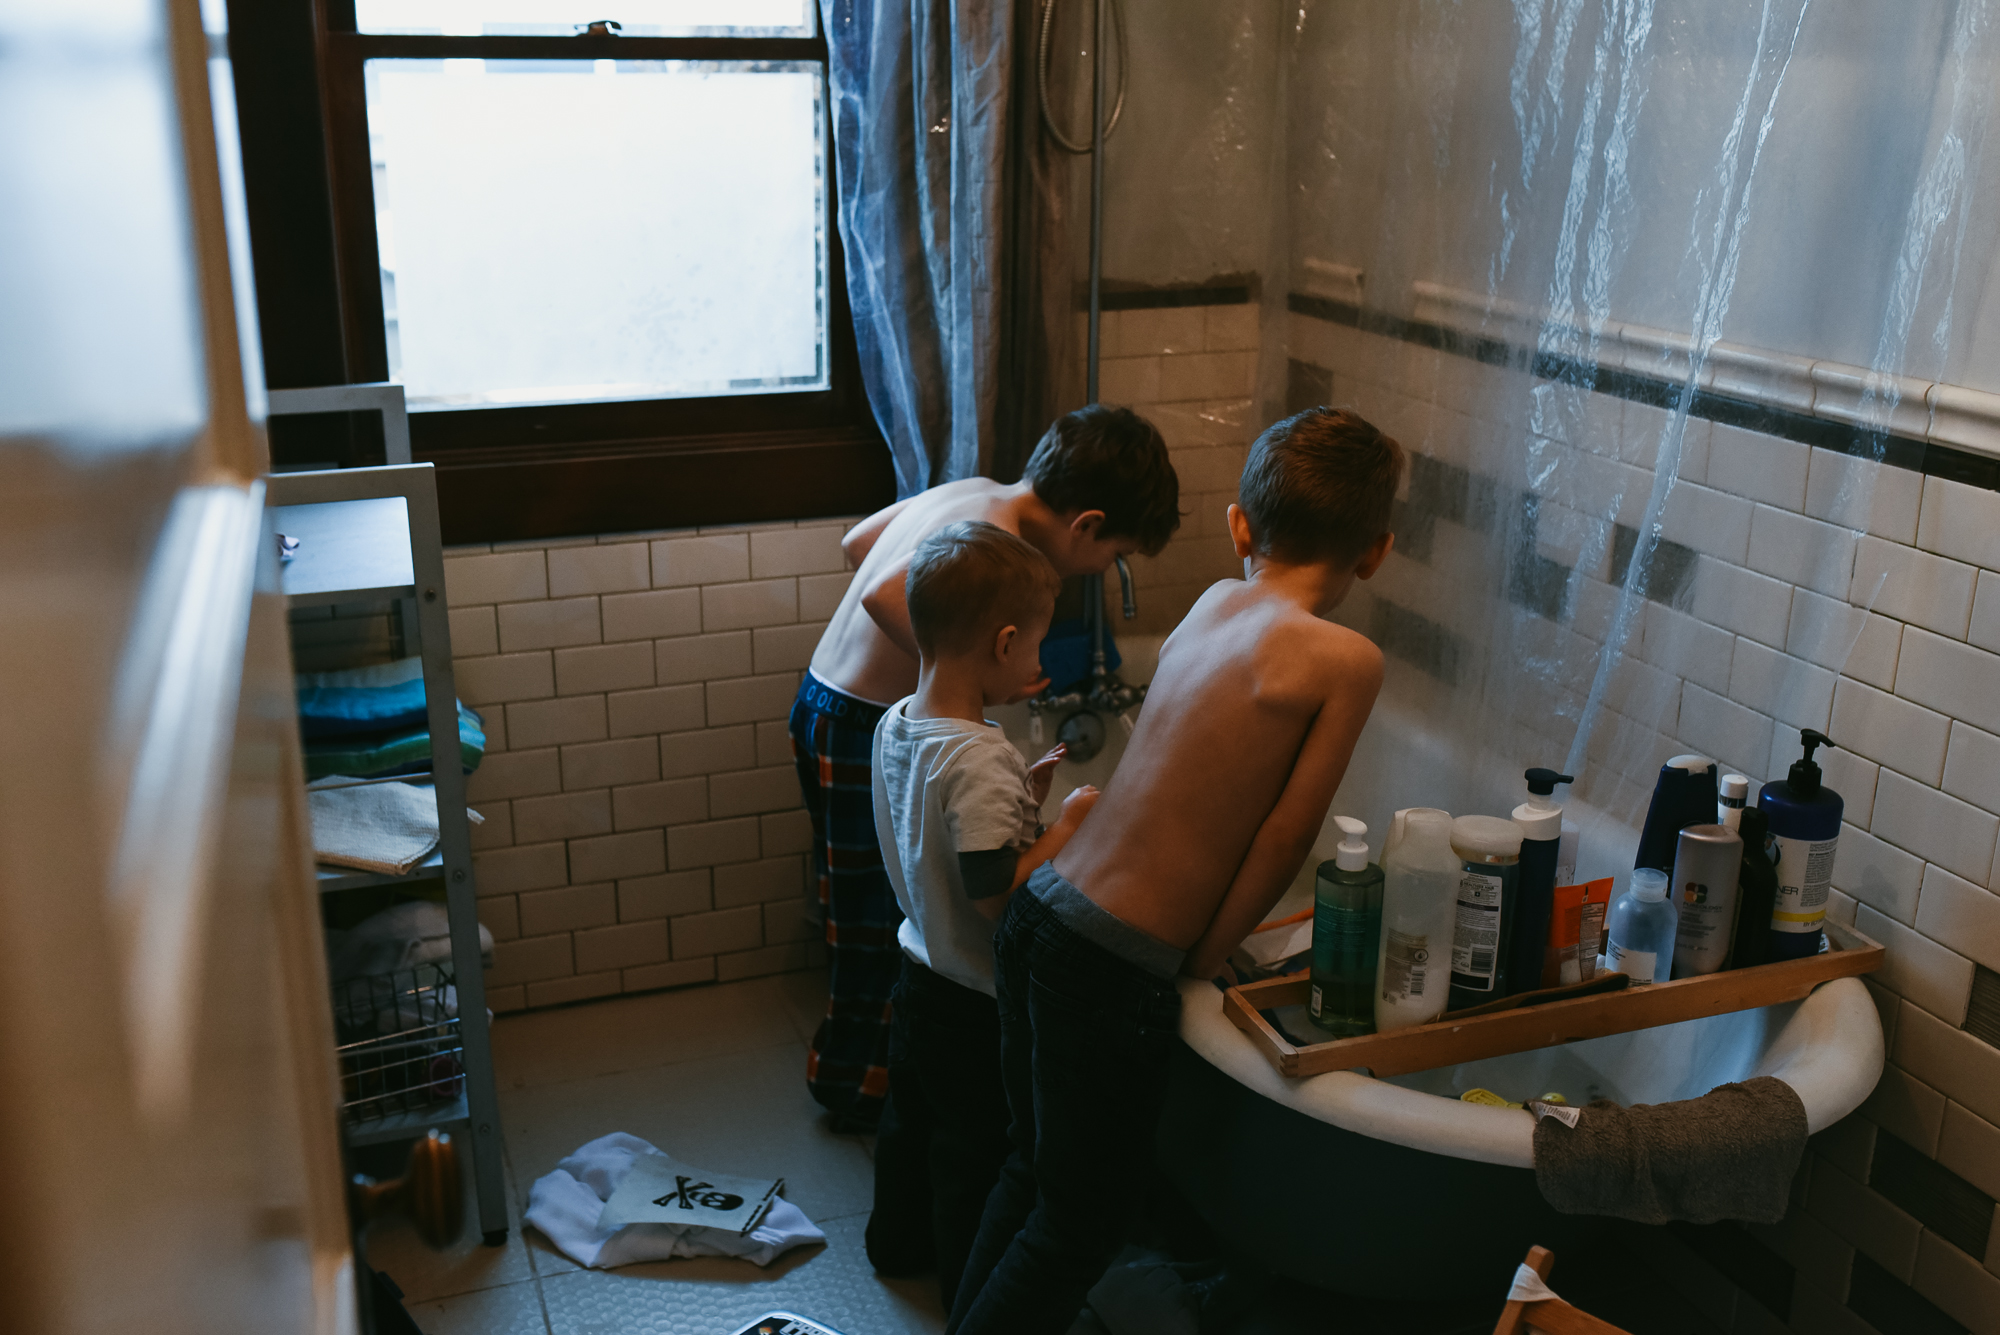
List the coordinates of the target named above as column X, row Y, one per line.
column 1234, row 289
column 1917, row 456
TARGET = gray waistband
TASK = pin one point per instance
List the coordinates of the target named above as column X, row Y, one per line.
column 1090, row 920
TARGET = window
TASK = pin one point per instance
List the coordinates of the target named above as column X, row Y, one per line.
column 581, row 247
column 581, row 231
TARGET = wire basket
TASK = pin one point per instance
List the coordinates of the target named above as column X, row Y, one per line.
column 399, row 1043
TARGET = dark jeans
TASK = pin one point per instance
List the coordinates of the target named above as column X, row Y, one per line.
column 1085, row 1041
column 943, row 1135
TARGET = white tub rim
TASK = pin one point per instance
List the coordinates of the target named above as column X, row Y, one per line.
column 1830, row 1051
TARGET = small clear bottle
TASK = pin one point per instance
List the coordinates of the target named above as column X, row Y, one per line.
column 1641, row 929
column 1347, row 932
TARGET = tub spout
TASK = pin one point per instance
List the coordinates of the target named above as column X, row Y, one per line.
column 1125, row 588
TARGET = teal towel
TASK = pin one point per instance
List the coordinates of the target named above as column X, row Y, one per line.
column 382, row 698
column 403, row 751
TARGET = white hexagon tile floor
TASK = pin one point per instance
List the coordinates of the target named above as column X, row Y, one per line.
column 715, row 1076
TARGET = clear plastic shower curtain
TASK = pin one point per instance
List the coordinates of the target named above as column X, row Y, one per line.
column 1650, row 290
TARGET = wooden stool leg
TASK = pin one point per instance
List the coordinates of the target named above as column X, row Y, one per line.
column 1513, row 1316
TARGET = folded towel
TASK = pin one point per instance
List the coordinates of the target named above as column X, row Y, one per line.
column 566, row 1207
column 1730, row 1154
column 379, row 827
column 363, row 699
column 406, row 751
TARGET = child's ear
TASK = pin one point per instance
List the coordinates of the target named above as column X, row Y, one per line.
column 1003, row 642
column 1372, row 559
column 1240, row 535
column 1086, row 524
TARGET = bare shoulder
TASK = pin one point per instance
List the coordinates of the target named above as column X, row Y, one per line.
column 1319, row 658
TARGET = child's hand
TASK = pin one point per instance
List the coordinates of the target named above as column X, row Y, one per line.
column 1077, row 805
column 1043, row 772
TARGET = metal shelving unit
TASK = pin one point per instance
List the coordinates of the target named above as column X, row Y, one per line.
column 371, row 535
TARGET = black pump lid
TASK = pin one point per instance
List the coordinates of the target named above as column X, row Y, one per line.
column 1804, row 776
column 1542, row 782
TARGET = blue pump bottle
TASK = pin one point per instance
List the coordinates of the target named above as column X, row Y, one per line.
column 1805, row 822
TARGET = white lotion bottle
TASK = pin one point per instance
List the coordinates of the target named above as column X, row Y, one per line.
column 1419, row 910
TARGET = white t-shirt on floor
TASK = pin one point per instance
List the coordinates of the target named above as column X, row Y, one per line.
column 944, row 786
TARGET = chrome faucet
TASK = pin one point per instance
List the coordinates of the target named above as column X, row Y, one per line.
column 1125, row 588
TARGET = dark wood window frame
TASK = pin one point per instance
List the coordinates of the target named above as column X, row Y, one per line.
column 562, row 470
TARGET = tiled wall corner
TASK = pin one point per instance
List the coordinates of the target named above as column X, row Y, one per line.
column 1807, row 589
column 643, row 827
column 1192, row 372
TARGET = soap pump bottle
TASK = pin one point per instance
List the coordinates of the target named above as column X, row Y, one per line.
column 1347, row 930
column 1541, row 822
column 1419, row 917
column 1805, row 821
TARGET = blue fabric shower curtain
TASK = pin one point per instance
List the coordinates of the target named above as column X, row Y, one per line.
column 920, row 97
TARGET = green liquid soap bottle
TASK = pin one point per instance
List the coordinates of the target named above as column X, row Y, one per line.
column 1347, row 931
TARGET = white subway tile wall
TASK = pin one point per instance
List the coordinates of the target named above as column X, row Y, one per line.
column 1191, row 371
column 643, row 827
column 1825, row 592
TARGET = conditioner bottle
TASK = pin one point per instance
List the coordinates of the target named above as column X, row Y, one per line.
column 1706, row 867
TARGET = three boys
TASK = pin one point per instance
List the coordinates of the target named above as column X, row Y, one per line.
column 1098, row 486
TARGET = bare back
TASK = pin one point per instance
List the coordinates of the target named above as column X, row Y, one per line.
column 853, row 654
column 1246, row 731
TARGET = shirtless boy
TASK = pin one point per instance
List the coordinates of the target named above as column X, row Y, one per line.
column 1247, row 729
column 1098, row 486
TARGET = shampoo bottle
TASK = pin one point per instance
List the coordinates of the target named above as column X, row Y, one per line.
column 1756, row 892
column 1347, row 931
column 1419, row 907
column 1489, row 850
column 1706, row 867
column 1684, row 795
column 1541, row 822
column 1805, row 821
column 1641, row 928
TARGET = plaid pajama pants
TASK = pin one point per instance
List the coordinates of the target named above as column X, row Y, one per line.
column 833, row 745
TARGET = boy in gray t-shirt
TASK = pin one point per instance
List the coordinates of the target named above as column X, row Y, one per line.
column 957, row 812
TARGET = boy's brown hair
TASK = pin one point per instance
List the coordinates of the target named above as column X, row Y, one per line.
column 1319, row 486
column 1114, row 460
column 969, row 579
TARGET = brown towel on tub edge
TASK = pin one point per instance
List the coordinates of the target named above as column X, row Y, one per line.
column 1730, row 1154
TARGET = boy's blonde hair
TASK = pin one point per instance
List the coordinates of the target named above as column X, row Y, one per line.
column 969, row 579
column 1319, row 486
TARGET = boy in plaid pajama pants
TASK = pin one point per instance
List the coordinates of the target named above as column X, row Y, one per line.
column 1098, row 486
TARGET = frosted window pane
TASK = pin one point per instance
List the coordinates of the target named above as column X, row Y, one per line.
column 562, row 18
column 554, row 233
column 100, row 319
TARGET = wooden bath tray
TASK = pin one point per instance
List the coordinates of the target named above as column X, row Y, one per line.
column 1465, row 1037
